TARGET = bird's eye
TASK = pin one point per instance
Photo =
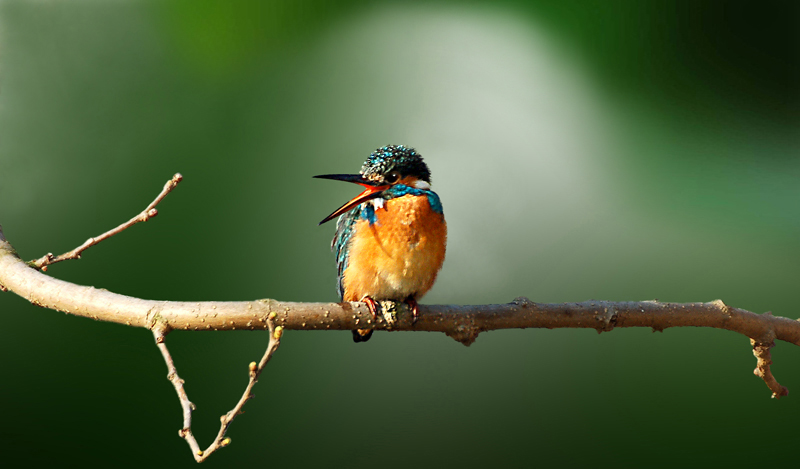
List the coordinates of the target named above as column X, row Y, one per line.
column 392, row 177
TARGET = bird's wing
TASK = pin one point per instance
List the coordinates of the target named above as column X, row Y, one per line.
column 341, row 244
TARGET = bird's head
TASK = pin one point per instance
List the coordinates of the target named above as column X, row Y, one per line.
column 385, row 167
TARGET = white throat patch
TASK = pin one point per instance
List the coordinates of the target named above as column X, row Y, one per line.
column 420, row 184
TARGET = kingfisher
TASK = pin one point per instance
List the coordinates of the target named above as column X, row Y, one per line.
column 390, row 239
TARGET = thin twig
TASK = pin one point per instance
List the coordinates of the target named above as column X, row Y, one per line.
column 254, row 370
column 145, row 215
column 761, row 350
column 185, row 432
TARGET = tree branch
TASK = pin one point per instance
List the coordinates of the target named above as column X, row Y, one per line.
column 764, row 360
column 145, row 215
column 225, row 421
column 462, row 323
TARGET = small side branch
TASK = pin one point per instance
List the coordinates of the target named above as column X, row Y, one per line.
column 145, row 215
column 761, row 350
column 185, row 432
column 254, row 370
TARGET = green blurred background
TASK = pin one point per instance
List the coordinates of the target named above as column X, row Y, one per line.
column 625, row 150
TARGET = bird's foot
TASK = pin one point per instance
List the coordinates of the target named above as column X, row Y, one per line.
column 412, row 303
column 372, row 305
column 363, row 335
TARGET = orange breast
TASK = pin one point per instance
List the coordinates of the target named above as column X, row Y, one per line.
column 397, row 256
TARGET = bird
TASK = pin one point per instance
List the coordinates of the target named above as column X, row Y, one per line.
column 390, row 239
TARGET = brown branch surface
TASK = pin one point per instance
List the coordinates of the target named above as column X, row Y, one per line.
column 146, row 214
column 462, row 323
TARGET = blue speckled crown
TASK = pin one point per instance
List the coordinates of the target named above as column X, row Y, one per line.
column 398, row 158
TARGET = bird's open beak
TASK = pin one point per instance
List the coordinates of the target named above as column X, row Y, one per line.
column 372, row 190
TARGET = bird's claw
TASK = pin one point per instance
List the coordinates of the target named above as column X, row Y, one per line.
column 372, row 305
column 412, row 303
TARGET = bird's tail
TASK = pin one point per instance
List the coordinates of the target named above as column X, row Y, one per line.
column 362, row 335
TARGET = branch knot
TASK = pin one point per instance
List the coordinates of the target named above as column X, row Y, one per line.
column 608, row 319
column 466, row 332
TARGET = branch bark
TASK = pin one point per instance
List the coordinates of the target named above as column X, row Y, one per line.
column 462, row 323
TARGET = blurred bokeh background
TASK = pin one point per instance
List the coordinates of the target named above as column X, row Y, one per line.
column 626, row 150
